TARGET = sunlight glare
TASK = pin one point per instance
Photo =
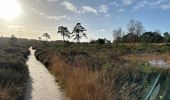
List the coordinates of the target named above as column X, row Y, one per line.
column 9, row 9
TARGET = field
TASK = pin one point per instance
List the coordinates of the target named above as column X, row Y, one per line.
column 88, row 71
column 107, row 72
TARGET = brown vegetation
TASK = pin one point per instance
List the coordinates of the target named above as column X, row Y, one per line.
column 93, row 72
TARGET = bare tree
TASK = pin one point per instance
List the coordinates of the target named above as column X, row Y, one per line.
column 117, row 33
column 64, row 32
column 135, row 27
column 139, row 28
column 131, row 26
column 47, row 36
column 78, row 32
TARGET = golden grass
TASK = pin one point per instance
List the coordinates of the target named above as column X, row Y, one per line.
column 78, row 82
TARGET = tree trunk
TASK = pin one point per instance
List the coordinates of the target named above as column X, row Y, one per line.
column 63, row 38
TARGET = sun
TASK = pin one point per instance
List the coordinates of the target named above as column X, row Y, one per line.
column 9, row 9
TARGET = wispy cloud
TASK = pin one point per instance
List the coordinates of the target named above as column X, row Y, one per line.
column 88, row 9
column 102, row 30
column 148, row 3
column 121, row 10
column 114, row 3
column 57, row 18
column 84, row 9
column 165, row 6
column 107, row 15
column 128, row 2
column 52, row 0
column 50, row 17
column 103, row 8
column 158, row 2
column 16, row 26
column 69, row 6
column 140, row 5
column 47, row 0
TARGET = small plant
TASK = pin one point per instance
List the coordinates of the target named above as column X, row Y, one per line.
column 146, row 68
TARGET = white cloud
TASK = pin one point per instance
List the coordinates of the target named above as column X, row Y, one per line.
column 16, row 26
column 88, row 9
column 52, row 0
column 102, row 30
column 165, row 6
column 47, row 0
column 57, row 18
column 107, row 15
column 69, row 6
column 121, row 10
column 84, row 9
column 140, row 5
column 158, row 2
column 148, row 3
column 128, row 2
column 103, row 8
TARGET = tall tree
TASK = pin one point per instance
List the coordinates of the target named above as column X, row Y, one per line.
column 131, row 26
column 78, row 32
column 47, row 36
column 139, row 28
column 64, row 32
column 135, row 27
column 117, row 33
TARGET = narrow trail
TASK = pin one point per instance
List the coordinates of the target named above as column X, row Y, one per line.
column 42, row 85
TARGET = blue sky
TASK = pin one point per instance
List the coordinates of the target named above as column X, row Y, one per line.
column 99, row 17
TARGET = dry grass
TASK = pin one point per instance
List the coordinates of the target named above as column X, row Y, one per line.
column 101, row 74
column 111, row 83
column 78, row 83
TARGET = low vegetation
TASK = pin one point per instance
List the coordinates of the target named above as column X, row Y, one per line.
column 97, row 71
column 13, row 70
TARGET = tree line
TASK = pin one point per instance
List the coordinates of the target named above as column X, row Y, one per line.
column 136, row 33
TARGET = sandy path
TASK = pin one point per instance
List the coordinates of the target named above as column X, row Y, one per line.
column 42, row 83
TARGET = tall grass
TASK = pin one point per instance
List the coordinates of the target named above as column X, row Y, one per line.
column 79, row 83
column 93, row 72
column 13, row 71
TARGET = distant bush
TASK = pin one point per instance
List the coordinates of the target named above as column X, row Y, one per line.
column 100, row 41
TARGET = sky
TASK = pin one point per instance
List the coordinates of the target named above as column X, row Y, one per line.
column 99, row 17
